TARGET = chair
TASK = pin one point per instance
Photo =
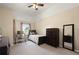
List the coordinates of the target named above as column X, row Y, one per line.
column 20, row 37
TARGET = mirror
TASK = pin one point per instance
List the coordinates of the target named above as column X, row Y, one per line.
column 68, row 36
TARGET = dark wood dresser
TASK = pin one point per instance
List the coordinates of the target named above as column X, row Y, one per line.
column 52, row 36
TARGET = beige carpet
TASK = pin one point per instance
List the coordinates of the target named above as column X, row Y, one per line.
column 30, row 48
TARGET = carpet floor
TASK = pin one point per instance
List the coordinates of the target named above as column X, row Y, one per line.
column 30, row 48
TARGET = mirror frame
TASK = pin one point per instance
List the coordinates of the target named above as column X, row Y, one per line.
column 72, row 35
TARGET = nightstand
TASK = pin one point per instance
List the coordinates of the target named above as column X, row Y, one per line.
column 42, row 40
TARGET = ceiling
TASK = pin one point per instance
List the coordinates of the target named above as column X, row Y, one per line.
column 20, row 10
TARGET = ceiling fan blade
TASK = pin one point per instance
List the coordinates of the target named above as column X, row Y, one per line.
column 30, row 5
column 40, row 4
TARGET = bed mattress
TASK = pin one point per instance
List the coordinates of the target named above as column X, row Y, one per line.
column 35, row 38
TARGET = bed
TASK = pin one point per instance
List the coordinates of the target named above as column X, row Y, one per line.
column 37, row 38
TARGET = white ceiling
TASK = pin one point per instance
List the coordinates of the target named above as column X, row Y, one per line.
column 23, row 11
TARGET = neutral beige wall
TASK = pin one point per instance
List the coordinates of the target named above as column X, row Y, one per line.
column 58, row 20
column 18, row 24
column 6, row 23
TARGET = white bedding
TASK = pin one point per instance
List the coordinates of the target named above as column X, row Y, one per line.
column 35, row 38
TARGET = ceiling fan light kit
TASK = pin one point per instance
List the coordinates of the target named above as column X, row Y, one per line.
column 36, row 5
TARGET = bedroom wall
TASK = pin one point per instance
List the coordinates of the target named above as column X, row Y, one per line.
column 6, row 22
column 18, row 24
column 50, row 20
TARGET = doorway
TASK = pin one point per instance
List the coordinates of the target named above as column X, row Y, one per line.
column 26, row 29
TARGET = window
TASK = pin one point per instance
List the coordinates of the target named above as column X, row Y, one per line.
column 25, row 28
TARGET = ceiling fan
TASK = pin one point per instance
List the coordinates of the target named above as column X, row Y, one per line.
column 36, row 5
